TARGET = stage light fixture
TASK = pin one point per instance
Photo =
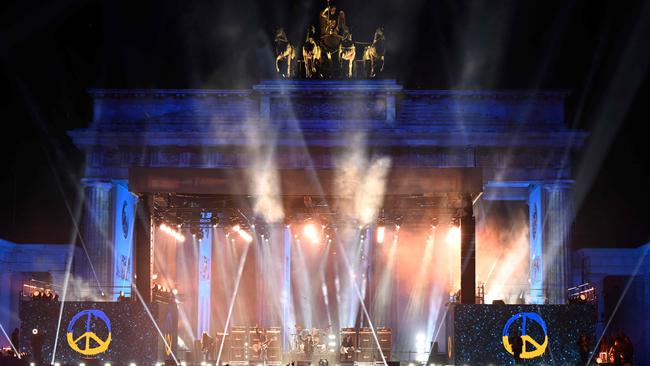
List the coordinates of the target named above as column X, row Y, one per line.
column 34, row 331
column 132, row 364
column 311, row 232
column 57, row 364
column 170, row 231
column 453, row 236
column 242, row 233
column 106, row 364
column 82, row 364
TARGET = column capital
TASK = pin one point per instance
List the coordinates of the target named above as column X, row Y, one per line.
column 96, row 183
column 559, row 185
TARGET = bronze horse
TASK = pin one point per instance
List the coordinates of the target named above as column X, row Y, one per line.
column 375, row 52
column 311, row 53
column 347, row 52
column 283, row 50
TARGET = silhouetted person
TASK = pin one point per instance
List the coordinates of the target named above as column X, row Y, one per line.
column 616, row 352
column 583, row 347
column 628, row 351
column 15, row 339
column 37, row 340
column 517, row 346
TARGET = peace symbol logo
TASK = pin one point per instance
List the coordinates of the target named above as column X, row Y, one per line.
column 531, row 347
column 82, row 344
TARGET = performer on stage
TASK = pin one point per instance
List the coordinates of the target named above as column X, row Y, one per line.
column 261, row 347
column 347, row 345
column 207, row 344
column 308, row 345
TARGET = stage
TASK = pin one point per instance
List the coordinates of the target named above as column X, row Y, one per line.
column 123, row 333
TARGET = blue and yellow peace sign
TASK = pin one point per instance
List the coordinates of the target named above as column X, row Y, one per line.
column 537, row 348
column 85, row 338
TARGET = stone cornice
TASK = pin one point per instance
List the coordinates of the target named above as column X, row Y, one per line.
column 490, row 94
column 328, row 87
column 177, row 93
column 84, row 138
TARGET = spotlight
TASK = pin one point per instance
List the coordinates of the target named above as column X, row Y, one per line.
column 311, row 232
column 214, row 221
column 175, row 291
column 132, row 364
column 171, row 232
column 34, row 331
column 106, row 364
column 244, row 235
column 434, row 223
column 59, row 364
column 82, row 364
column 381, row 231
column 453, row 236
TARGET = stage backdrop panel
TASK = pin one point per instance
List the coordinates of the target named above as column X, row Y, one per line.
column 118, row 332
column 479, row 334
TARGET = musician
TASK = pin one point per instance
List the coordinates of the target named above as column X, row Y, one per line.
column 308, row 345
column 347, row 344
column 207, row 344
column 263, row 343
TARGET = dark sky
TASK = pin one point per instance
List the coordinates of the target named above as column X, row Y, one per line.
column 51, row 52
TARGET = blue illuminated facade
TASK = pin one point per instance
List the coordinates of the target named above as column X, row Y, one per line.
column 519, row 139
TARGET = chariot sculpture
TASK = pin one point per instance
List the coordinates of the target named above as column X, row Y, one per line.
column 330, row 53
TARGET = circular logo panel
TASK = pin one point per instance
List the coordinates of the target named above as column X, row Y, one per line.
column 531, row 347
column 88, row 343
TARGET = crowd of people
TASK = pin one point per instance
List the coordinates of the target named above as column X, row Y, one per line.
column 8, row 356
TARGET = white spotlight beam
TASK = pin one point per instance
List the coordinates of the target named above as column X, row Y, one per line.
column 9, row 340
column 240, row 270
column 146, row 308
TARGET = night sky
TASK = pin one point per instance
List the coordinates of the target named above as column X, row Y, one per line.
column 52, row 51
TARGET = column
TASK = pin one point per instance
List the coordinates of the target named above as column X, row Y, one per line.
column 535, row 274
column 288, row 314
column 558, row 215
column 97, row 234
column 390, row 108
column 467, row 253
column 143, row 241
